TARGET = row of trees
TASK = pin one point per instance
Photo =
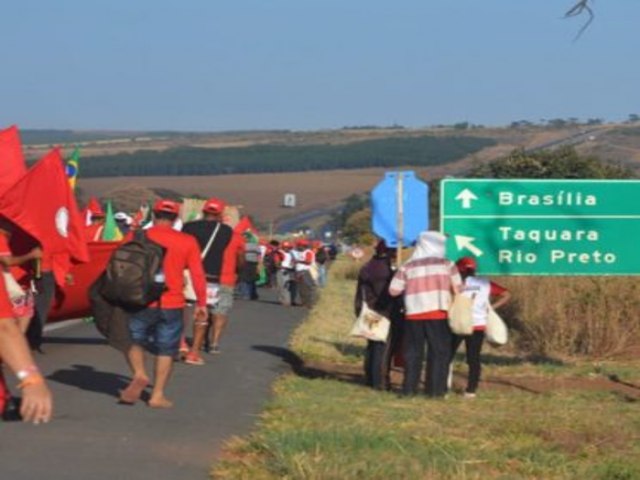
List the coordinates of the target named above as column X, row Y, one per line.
column 423, row 150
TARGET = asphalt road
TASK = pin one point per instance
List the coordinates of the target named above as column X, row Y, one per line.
column 294, row 223
column 93, row 437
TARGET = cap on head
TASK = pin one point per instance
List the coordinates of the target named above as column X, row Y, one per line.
column 287, row 244
column 168, row 206
column 467, row 264
column 214, row 206
column 303, row 242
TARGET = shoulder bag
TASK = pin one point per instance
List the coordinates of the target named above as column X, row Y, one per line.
column 461, row 315
column 496, row 333
column 371, row 324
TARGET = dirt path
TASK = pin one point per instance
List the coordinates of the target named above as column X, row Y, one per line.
column 534, row 385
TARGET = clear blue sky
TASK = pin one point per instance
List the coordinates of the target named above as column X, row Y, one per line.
column 310, row 64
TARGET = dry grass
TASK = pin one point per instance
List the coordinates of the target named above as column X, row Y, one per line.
column 595, row 317
column 325, row 334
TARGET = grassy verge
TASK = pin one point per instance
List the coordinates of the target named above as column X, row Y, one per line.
column 330, row 429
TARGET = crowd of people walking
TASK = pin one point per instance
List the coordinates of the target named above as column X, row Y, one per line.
column 162, row 282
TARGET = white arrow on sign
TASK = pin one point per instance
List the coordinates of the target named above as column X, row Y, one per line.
column 463, row 242
column 466, row 196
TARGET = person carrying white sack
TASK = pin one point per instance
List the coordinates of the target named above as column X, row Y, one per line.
column 481, row 290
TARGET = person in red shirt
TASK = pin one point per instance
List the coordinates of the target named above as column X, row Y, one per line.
column 37, row 403
column 158, row 327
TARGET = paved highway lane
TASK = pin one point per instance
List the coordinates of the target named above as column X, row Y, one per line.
column 93, row 437
column 294, row 223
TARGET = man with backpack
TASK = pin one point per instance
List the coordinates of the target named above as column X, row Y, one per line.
column 158, row 326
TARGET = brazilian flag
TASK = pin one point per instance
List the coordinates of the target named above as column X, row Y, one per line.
column 72, row 167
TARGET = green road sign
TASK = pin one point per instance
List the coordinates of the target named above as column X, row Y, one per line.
column 543, row 227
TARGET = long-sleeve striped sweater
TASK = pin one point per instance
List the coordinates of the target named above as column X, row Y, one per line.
column 427, row 284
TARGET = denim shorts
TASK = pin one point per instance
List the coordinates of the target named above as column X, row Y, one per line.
column 225, row 302
column 157, row 329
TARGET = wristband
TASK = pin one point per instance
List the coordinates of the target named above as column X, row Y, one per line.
column 25, row 372
column 33, row 379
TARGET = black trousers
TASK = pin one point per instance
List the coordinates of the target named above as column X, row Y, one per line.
column 378, row 357
column 473, row 345
column 439, row 339
column 377, row 364
column 45, row 291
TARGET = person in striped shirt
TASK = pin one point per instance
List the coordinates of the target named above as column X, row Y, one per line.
column 428, row 282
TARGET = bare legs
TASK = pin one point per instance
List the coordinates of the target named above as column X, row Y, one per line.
column 163, row 364
column 140, row 380
column 219, row 322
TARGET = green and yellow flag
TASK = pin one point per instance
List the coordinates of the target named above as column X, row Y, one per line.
column 111, row 232
column 72, row 167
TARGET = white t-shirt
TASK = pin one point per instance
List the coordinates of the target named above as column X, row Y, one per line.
column 288, row 261
column 479, row 289
column 304, row 260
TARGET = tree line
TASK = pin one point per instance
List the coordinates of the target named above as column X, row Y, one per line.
column 423, row 150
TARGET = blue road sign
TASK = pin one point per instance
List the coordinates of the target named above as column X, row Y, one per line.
column 389, row 214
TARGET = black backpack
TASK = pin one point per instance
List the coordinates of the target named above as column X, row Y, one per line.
column 133, row 277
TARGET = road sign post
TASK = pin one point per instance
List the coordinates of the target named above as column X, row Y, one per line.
column 400, row 215
column 543, row 227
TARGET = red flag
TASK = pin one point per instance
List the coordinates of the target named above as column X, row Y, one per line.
column 245, row 224
column 42, row 204
column 94, row 207
column 12, row 165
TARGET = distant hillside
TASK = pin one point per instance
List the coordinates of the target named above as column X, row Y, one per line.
column 423, row 150
column 49, row 137
column 620, row 144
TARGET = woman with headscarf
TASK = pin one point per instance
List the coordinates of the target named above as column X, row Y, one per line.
column 428, row 281
column 373, row 288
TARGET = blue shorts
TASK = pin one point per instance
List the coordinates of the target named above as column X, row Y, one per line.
column 157, row 329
